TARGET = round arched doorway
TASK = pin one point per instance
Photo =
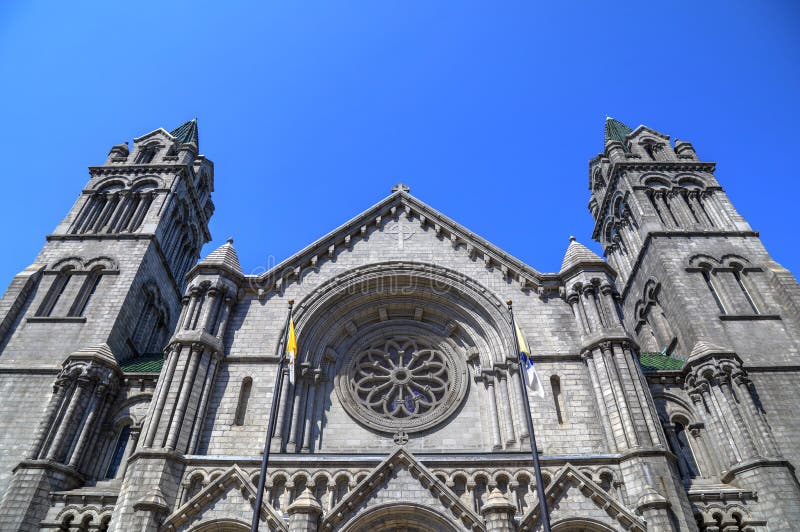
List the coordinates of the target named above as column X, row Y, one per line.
column 400, row 518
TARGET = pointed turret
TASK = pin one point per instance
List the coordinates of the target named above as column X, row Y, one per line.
column 187, row 132
column 223, row 257
column 616, row 130
column 577, row 254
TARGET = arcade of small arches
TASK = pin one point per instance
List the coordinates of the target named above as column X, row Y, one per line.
column 472, row 486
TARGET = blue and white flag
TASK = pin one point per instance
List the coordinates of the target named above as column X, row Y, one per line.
column 531, row 376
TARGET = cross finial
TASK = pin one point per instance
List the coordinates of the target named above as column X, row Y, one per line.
column 400, row 187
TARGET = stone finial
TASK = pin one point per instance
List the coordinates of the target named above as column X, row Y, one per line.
column 703, row 349
column 497, row 503
column 306, row 503
column 651, row 499
column 400, row 187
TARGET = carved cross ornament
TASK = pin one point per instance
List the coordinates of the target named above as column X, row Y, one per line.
column 402, row 230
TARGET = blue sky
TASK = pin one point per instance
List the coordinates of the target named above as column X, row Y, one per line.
column 311, row 111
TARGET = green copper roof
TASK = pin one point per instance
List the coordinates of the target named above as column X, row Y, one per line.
column 187, row 132
column 616, row 130
column 146, row 363
column 660, row 362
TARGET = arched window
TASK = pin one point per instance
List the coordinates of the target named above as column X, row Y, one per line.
column 119, row 452
column 679, row 444
column 710, row 284
column 86, row 292
column 151, row 330
column 56, row 291
column 738, row 273
column 244, row 397
column 147, row 154
column 558, row 399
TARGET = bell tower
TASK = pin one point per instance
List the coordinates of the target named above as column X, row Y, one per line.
column 105, row 289
column 690, row 266
column 113, row 270
column 696, row 283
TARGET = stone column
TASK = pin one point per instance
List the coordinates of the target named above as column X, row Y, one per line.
column 725, row 387
column 591, row 310
column 56, row 400
column 573, row 301
column 669, row 219
column 200, row 416
column 296, row 427
column 507, row 415
column 304, row 513
column 174, row 432
column 67, row 423
column 602, row 407
column 514, row 370
column 497, row 442
column 210, row 318
column 98, row 398
column 160, row 395
column 498, row 513
column 277, row 438
column 767, row 440
column 313, row 382
column 619, row 394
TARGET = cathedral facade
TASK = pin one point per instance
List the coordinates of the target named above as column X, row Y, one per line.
column 137, row 379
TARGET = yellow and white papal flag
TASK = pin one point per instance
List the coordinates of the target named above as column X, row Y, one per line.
column 291, row 350
column 531, row 375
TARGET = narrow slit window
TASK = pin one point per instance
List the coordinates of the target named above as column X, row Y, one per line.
column 119, row 452
column 738, row 274
column 55, row 292
column 244, row 397
column 714, row 294
column 86, row 292
column 558, row 399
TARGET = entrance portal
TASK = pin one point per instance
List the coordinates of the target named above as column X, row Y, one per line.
column 401, row 518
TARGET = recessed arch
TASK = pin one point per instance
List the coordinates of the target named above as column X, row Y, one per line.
column 388, row 517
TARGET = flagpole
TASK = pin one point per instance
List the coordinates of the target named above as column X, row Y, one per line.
column 537, row 468
column 273, row 418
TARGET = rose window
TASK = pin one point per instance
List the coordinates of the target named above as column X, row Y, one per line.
column 404, row 383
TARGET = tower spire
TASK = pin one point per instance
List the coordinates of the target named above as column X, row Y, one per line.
column 187, row 132
column 616, row 130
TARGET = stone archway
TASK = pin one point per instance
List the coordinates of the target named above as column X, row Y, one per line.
column 222, row 525
column 400, row 518
column 580, row 525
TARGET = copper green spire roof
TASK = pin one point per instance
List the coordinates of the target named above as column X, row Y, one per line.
column 616, row 130
column 187, row 132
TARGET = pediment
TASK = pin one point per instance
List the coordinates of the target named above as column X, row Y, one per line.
column 402, row 479
column 230, row 494
column 385, row 216
column 566, row 498
column 644, row 131
column 155, row 134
